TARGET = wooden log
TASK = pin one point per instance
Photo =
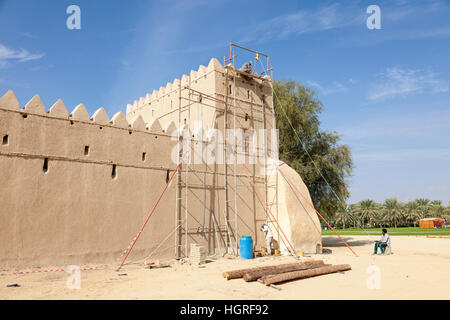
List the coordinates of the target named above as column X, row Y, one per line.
column 255, row 275
column 235, row 274
column 268, row 280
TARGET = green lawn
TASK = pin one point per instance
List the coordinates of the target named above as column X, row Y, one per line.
column 408, row 231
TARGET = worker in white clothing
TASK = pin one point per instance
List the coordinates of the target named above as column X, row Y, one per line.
column 268, row 234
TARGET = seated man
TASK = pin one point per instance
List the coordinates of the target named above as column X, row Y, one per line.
column 384, row 242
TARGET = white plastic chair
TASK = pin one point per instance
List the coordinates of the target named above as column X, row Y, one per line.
column 388, row 250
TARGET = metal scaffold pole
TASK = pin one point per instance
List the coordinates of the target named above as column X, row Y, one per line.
column 225, row 164
column 186, row 182
column 178, row 220
column 236, row 233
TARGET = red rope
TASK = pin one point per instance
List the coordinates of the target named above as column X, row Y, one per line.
column 267, row 208
column 312, row 206
column 148, row 218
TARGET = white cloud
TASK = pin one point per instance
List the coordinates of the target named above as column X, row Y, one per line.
column 334, row 88
column 404, row 155
column 401, row 82
column 410, row 9
column 305, row 21
column 28, row 35
column 21, row 55
column 429, row 126
column 339, row 15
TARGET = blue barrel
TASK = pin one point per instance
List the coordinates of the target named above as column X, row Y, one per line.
column 246, row 250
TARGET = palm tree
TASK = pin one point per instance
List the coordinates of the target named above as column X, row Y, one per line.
column 411, row 211
column 353, row 215
column 436, row 209
column 341, row 216
column 393, row 211
column 423, row 208
column 367, row 211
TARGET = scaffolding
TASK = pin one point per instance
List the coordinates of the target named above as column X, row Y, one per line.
column 229, row 103
column 270, row 205
column 221, row 105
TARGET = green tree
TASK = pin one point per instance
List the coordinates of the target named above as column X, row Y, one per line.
column 393, row 211
column 367, row 211
column 341, row 218
column 332, row 161
column 436, row 209
column 423, row 208
column 412, row 214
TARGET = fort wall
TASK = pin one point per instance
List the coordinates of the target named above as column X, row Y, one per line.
column 76, row 188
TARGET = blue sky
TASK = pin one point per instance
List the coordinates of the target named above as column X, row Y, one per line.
column 387, row 92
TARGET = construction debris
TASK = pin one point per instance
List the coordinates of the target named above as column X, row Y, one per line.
column 282, row 277
column 255, row 275
column 151, row 262
column 198, row 254
column 158, row 266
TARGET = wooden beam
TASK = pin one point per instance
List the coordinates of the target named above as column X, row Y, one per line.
column 255, row 275
column 235, row 274
column 268, row 280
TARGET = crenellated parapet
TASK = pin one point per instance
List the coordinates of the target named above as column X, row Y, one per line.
column 201, row 95
column 9, row 102
column 33, row 131
column 160, row 104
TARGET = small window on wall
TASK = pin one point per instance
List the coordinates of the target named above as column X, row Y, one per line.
column 248, row 94
column 45, row 166
column 167, row 176
column 114, row 171
column 86, row 150
column 246, row 117
column 229, row 89
column 144, row 155
column 5, row 140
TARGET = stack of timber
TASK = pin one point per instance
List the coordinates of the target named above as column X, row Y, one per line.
column 285, row 272
column 235, row 274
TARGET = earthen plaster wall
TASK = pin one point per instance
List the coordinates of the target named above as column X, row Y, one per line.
column 76, row 188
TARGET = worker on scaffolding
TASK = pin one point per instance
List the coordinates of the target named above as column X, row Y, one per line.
column 269, row 236
column 247, row 68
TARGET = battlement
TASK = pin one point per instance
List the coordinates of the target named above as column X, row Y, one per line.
column 172, row 87
column 79, row 114
column 202, row 95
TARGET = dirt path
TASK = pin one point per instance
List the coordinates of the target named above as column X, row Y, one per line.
column 418, row 269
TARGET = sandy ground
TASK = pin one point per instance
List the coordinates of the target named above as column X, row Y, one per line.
column 418, row 269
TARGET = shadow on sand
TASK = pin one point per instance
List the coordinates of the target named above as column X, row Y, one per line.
column 333, row 241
